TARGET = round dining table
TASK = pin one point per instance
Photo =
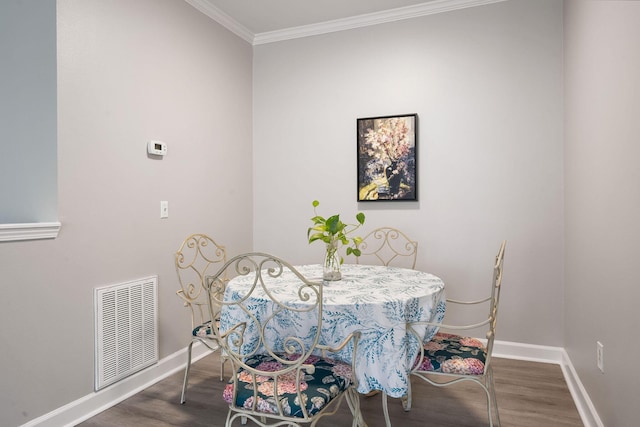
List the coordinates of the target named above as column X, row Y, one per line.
column 380, row 302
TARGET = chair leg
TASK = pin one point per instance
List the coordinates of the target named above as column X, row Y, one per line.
column 492, row 403
column 406, row 399
column 186, row 374
column 222, row 361
column 492, row 396
column 353, row 401
column 385, row 409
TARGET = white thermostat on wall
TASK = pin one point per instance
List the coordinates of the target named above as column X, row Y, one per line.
column 157, row 148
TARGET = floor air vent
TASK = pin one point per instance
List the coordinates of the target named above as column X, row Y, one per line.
column 126, row 329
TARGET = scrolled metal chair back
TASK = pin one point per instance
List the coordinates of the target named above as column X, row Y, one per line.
column 388, row 246
column 198, row 256
column 244, row 333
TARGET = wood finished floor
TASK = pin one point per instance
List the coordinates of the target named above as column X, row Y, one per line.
column 529, row 395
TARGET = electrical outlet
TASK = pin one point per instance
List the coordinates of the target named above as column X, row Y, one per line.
column 600, row 356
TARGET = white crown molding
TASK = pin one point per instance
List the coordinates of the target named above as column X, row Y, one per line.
column 398, row 14
column 391, row 15
column 223, row 19
column 30, row 231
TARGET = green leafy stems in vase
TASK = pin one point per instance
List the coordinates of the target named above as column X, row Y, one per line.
column 334, row 232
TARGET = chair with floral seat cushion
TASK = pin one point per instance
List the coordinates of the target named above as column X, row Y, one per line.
column 388, row 246
column 329, row 378
column 198, row 256
column 452, row 358
column 284, row 378
column 455, row 354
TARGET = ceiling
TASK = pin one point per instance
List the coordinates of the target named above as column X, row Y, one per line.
column 265, row 21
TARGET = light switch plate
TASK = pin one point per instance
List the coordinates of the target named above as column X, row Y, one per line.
column 600, row 356
column 164, row 209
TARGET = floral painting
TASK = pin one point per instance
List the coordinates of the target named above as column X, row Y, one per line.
column 387, row 158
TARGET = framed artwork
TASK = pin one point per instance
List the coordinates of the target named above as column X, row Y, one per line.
column 387, row 150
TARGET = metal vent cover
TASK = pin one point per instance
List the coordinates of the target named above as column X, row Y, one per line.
column 126, row 335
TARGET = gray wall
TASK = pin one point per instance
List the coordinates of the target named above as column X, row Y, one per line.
column 128, row 72
column 602, row 201
column 486, row 83
column 28, row 186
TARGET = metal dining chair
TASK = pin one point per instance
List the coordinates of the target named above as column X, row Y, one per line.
column 289, row 379
column 198, row 257
column 388, row 246
column 452, row 358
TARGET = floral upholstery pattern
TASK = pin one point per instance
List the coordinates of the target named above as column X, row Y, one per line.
column 330, row 378
column 454, row 354
column 203, row 330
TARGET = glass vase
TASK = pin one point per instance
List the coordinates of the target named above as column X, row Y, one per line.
column 331, row 265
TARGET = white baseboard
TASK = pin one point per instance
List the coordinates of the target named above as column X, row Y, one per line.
column 530, row 352
column 587, row 411
column 94, row 403
column 558, row 356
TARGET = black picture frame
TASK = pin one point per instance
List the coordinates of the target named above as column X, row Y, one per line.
column 387, row 158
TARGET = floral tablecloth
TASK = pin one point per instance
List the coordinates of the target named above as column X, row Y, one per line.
column 378, row 301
